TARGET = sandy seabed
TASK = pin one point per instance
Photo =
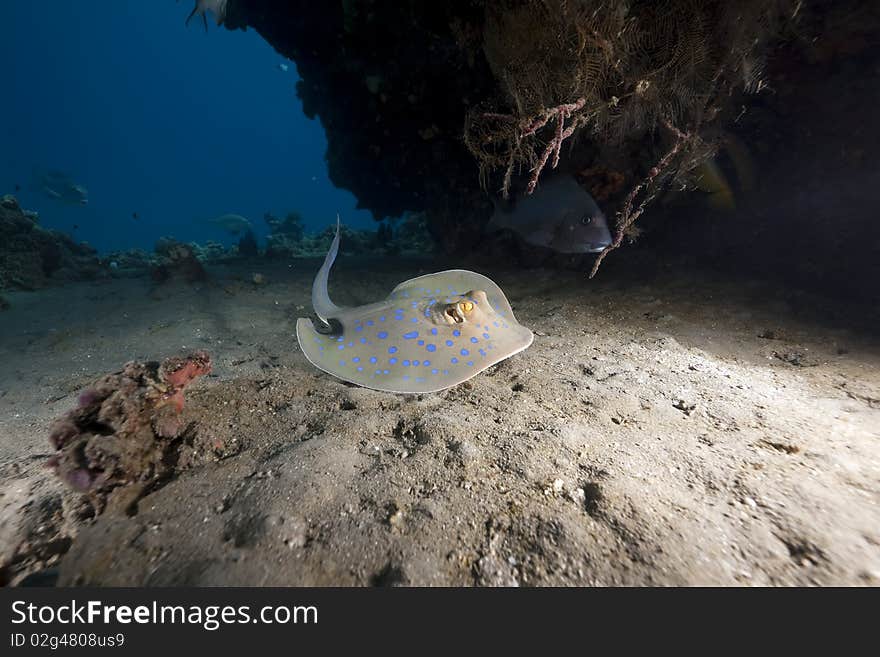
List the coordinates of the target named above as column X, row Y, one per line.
column 658, row 432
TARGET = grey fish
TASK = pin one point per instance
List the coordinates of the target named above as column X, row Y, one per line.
column 58, row 186
column 430, row 333
column 203, row 7
column 232, row 223
column 559, row 215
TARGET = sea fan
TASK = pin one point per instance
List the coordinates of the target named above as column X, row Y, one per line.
column 202, row 7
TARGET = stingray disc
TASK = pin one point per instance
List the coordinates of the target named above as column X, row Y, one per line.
column 432, row 332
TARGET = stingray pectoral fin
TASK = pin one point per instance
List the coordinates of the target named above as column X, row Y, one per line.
column 317, row 347
column 454, row 282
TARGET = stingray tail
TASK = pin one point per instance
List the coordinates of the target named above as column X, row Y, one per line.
column 324, row 308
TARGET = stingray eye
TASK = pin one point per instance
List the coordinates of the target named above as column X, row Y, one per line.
column 453, row 314
column 466, row 306
column 586, row 221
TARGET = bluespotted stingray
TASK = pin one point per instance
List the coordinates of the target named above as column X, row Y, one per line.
column 430, row 333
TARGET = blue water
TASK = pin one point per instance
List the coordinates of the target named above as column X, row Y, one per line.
column 158, row 119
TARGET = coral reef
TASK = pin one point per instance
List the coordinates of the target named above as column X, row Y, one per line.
column 530, row 84
column 407, row 235
column 284, row 234
column 410, row 234
column 32, row 257
column 291, row 225
column 391, row 83
column 247, row 245
column 126, row 429
column 177, row 261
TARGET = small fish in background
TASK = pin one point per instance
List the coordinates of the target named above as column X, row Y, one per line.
column 134, row 215
column 710, row 179
column 16, row 187
column 560, row 215
column 58, row 186
column 75, row 226
column 713, row 176
column 234, row 224
column 204, row 7
column 283, row 67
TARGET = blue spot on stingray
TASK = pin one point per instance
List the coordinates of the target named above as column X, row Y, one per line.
column 465, row 352
column 373, row 359
column 386, row 372
column 369, row 322
column 339, row 339
column 406, row 377
column 415, row 363
column 482, row 352
column 431, row 347
column 351, row 344
column 414, row 304
column 360, row 369
column 392, row 350
column 382, row 318
column 486, row 335
column 358, row 328
column 342, row 363
column 453, row 360
column 415, row 320
column 411, row 335
column 433, row 331
column 392, row 361
column 456, row 333
column 435, row 371
column 470, row 363
column 426, row 363
column 474, row 340
column 420, row 379
column 363, row 341
column 449, row 343
column 445, row 372
column 341, row 347
column 405, row 363
column 486, row 328
column 355, row 360
column 382, row 335
column 378, row 371
column 421, row 343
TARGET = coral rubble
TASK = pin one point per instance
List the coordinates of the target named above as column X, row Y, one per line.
column 127, row 428
column 177, row 261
